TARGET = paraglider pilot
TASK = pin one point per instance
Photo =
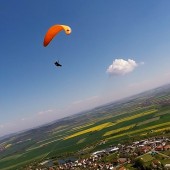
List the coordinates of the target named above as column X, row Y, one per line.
column 57, row 64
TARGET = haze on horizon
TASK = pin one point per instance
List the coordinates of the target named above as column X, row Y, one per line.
column 116, row 49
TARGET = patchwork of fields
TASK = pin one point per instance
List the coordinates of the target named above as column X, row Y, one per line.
column 115, row 123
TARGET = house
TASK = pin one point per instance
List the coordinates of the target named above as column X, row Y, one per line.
column 51, row 168
column 47, row 163
column 122, row 160
column 114, row 149
column 167, row 166
column 156, row 163
column 122, row 168
column 159, row 148
column 166, row 147
column 145, row 149
column 135, row 143
column 158, row 142
column 98, row 152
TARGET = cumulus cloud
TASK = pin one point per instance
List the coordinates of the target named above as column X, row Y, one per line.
column 121, row 67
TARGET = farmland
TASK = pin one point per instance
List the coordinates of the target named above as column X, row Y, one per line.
column 127, row 120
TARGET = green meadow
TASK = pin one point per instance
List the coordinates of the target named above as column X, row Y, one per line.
column 123, row 122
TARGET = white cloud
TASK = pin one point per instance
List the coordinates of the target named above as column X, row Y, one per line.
column 121, row 67
column 45, row 112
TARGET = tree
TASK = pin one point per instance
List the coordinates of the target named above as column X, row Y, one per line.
column 139, row 163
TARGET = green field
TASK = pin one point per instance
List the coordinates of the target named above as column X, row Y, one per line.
column 125, row 121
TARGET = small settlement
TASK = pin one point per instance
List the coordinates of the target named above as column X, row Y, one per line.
column 155, row 152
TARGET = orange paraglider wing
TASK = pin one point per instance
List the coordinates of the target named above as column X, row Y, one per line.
column 53, row 31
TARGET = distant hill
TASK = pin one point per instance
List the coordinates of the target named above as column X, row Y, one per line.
column 89, row 114
column 138, row 116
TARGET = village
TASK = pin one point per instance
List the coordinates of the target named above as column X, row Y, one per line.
column 152, row 153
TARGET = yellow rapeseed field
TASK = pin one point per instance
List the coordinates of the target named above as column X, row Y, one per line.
column 148, row 121
column 119, row 130
column 136, row 116
column 82, row 126
column 105, row 125
column 140, row 130
column 162, row 129
column 127, row 119
column 92, row 129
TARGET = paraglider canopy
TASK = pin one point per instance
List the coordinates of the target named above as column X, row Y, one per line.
column 53, row 31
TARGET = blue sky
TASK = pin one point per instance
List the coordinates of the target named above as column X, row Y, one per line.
column 105, row 35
